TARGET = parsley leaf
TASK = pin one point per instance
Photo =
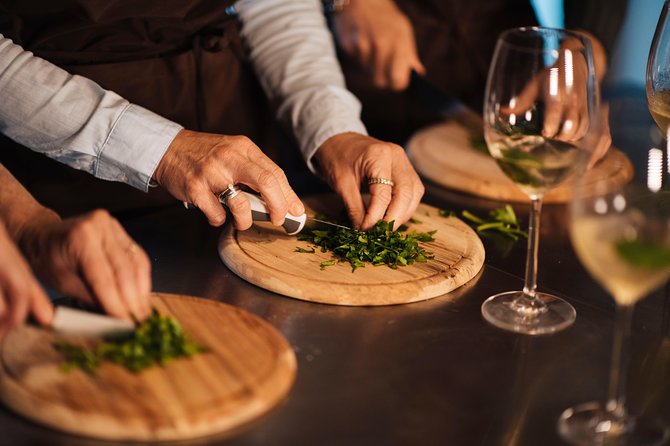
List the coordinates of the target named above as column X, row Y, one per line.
column 502, row 220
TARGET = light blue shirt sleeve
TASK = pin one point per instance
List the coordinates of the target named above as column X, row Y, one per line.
column 73, row 120
column 293, row 54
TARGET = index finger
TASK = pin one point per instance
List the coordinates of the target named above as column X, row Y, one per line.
column 266, row 177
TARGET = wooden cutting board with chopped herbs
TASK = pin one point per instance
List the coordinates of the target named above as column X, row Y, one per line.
column 454, row 155
column 248, row 369
column 267, row 257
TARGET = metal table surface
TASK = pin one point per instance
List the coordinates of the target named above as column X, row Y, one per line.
column 420, row 374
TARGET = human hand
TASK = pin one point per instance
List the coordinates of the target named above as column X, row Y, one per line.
column 380, row 37
column 568, row 112
column 349, row 159
column 92, row 258
column 20, row 293
column 198, row 166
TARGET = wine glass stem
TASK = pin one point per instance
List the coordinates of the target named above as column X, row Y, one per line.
column 620, row 355
column 530, row 282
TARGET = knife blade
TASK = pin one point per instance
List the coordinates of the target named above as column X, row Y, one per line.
column 74, row 322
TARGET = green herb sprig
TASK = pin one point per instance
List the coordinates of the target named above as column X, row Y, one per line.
column 158, row 340
column 381, row 245
column 502, row 220
column 643, row 255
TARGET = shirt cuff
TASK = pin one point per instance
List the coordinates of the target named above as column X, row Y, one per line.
column 135, row 146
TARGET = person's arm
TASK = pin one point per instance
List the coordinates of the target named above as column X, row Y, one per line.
column 75, row 121
column 294, row 56
column 89, row 257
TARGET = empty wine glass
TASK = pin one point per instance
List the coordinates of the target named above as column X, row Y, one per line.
column 540, row 95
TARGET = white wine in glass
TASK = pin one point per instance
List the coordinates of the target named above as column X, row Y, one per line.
column 658, row 72
column 622, row 236
column 540, row 95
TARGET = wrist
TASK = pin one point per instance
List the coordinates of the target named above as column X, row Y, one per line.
column 31, row 237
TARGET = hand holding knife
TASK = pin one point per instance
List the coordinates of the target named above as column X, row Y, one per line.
column 259, row 211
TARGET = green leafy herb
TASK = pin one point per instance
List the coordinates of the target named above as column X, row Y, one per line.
column 381, row 245
column 502, row 220
column 157, row 340
column 446, row 213
column 644, row 255
column 414, row 221
column 303, row 250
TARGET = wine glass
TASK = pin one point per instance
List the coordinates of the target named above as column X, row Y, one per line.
column 540, row 96
column 622, row 236
column 658, row 73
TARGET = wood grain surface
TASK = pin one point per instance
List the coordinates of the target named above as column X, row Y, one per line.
column 264, row 255
column 444, row 155
column 249, row 369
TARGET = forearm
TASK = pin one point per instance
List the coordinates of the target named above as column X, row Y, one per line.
column 294, row 57
column 19, row 210
column 75, row 121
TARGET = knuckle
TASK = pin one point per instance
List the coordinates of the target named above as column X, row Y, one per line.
column 193, row 189
column 385, row 194
column 265, row 178
column 217, row 219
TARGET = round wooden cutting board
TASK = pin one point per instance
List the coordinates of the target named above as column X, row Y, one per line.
column 443, row 154
column 249, row 369
column 265, row 256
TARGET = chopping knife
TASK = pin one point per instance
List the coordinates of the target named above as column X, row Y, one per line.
column 292, row 223
column 74, row 322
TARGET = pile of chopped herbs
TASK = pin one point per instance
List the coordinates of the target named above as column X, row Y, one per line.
column 502, row 220
column 381, row 245
column 158, row 340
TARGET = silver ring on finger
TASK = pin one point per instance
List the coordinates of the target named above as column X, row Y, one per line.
column 230, row 192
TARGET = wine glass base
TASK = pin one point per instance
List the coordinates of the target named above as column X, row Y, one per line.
column 592, row 424
column 514, row 311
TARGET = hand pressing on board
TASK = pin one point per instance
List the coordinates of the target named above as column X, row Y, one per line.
column 88, row 257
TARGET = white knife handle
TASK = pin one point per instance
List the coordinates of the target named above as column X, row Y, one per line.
column 259, row 212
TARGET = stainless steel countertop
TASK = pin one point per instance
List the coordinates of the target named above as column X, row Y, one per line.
column 420, row 374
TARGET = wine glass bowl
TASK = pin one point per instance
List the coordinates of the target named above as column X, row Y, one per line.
column 540, row 98
column 658, row 72
column 621, row 234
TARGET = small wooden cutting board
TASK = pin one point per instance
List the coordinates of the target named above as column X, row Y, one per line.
column 444, row 154
column 249, row 369
column 265, row 256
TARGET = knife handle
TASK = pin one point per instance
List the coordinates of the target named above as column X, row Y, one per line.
column 259, row 212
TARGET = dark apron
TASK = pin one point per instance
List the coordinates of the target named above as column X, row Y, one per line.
column 182, row 59
column 455, row 40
